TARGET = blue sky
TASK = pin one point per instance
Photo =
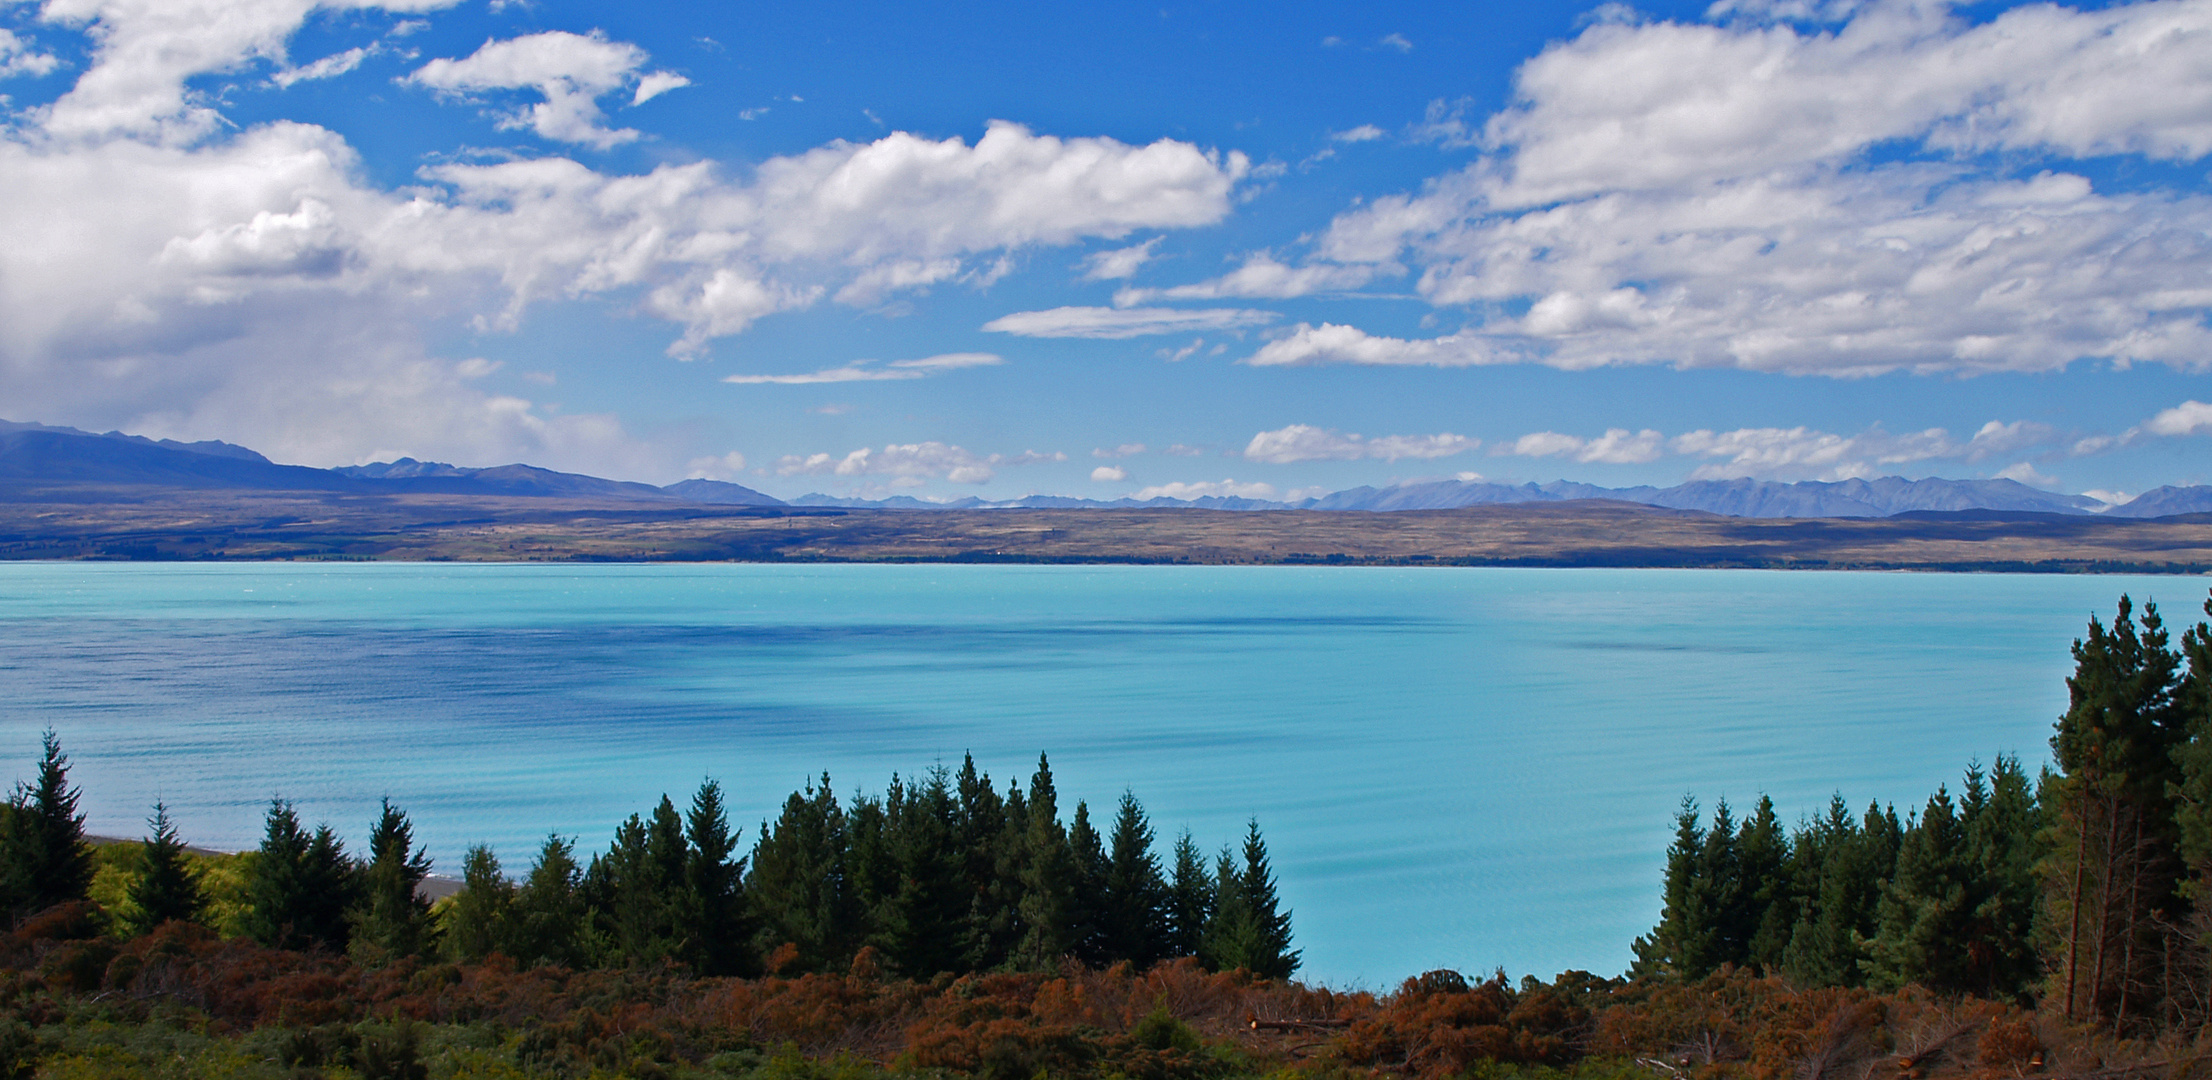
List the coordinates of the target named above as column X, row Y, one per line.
column 1106, row 250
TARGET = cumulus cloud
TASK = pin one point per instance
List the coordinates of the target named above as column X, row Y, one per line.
column 1798, row 453
column 167, row 273
column 1618, row 446
column 1261, row 276
column 1303, row 442
column 329, row 67
column 1118, row 262
column 910, row 464
column 1704, row 195
column 570, row 71
column 145, row 50
column 726, row 467
column 868, row 371
column 1206, row 489
column 1333, row 343
column 1116, row 323
column 1362, row 133
column 19, row 57
column 1112, row 474
column 2188, row 418
column 1122, row 451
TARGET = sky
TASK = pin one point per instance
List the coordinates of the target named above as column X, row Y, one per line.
column 1107, row 250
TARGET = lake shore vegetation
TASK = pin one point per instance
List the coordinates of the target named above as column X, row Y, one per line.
column 2055, row 924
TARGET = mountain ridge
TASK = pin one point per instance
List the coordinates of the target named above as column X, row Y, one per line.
column 32, row 455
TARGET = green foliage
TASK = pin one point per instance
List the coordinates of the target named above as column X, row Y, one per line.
column 1047, row 878
column 391, row 918
column 1190, row 901
column 546, row 924
column 480, row 919
column 797, row 881
column 1249, row 931
column 44, row 859
column 1134, row 905
column 300, row 885
column 165, row 886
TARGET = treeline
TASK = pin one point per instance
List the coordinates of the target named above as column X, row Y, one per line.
column 2087, row 888
column 943, row 873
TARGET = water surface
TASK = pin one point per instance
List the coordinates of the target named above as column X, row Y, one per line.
column 1453, row 767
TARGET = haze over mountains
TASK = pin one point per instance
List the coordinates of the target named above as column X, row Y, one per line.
column 38, row 457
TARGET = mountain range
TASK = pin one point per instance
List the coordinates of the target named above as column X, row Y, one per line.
column 40, row 458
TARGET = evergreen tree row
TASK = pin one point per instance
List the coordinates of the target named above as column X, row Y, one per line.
column 2090, row 888
column 941, row 874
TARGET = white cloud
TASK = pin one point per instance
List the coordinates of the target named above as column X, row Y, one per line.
column 1204, row 489
column 328, row 67
column 726, row 467
column 146, row 49
column 1262, row 277
column 2025, row 473
column 910, row 464
column 1109, row 474
column 2188, row 418
column 1332, row 343
column 571, row 72
column 17, row 57
column 1618, row 446
column 861, row 371
column 1362, row 133
column 1303, row 442
column 166, row 273
column 1115, row 323
column 1805, row 453
column 1395, row 41
column 1118, row 262
column 1701, row 195
column 1122, row 451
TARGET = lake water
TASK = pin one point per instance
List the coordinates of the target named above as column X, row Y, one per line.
column 1468, row 768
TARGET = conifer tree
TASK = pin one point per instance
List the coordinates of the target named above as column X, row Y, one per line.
column 797, row 881
column 1764, row 909
column 1047, row 879
column 933, row 898
column 1135, row 905
column 2003, row 829
column 639, row 891
column 1840, row 902
column 392, row 919
column 720, row 923
column 549, row 916
column 1925, row 914
column 2116, row 868
column 44, row 859
column 1190, row 900
column 1249, row 931
column 163, row 887
column 300, row 885
column 987, row 927
column 480, row 920
column 1685, row 944
column 1088, row 899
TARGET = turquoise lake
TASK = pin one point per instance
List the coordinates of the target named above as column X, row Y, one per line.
column 1465, row 768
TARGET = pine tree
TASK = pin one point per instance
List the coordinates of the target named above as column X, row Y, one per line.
column 1925, row 915
column 1840, row 905
column 987, row 928
column 549, row 915
column 480, row 921
column 1135, row 905
column 797, row 881
column 2003, row 845
column 392, row 919
column 720, row 923
column 1686, row 943
column 300, row 885
column 1765, row 907
column 1047, row 880
column 1190, row 901
column 1087, row 908
column 44, row 859
column 639, row 891
column 2116, row 867
column 1253, row 933
column 930, row 904
column 163, row 887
